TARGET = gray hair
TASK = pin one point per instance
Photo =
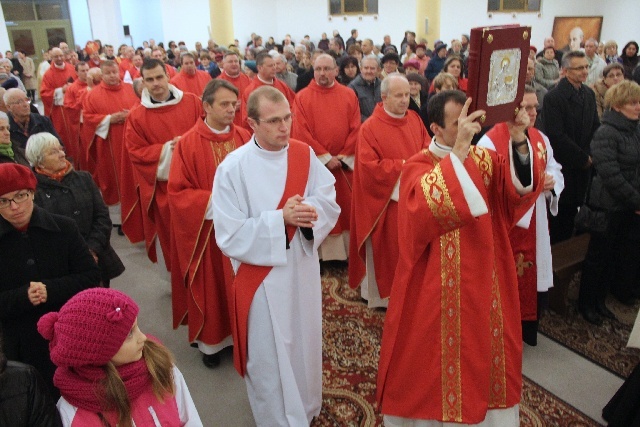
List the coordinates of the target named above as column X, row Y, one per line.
column 3, row 115
column 370, row 58
column 301, row 47
column 288, row 48
column 386, row 82
column 7, row 62
column 37, row 144
column 10, row 92
column 567, row 57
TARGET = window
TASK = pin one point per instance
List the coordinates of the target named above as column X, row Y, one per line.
column 346, row 7
column 35, row 10
column 513, row 5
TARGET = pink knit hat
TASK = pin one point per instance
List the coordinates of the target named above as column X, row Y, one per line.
column 90, row 328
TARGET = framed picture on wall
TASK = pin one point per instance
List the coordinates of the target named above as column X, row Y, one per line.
column 570, row 32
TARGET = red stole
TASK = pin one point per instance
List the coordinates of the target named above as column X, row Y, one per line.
column 249, row 277
column 523, row 240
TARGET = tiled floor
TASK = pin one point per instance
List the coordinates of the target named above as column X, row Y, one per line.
column 220, row 394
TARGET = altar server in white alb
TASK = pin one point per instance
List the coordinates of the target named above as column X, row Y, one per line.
column 273, row 204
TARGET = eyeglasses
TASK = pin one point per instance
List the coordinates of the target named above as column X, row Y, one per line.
column 276, row 120
column 325, row 69
column 17, row 199
column 20, row 101
column 580, row 68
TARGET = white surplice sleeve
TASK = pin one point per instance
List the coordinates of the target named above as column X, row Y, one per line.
column 187, row 411
column 553, row 168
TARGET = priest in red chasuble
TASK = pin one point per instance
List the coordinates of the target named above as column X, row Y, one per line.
column 266, row 77
column 530, row 240
column 55, row 83
column 327, row 117
column 231, row 72
column 73, row 109
column 190, row 79
column 452, row 347
column 106, row 108
column 152, row 130
column 387, row 139
column 200, row 274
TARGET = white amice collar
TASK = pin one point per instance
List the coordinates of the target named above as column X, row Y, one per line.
column 439, row 150
column 395, row 116
column 145, row 99
column 216, row 131
column 264, row 81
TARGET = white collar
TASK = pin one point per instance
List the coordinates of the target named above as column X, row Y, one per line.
column 145, row 99
column 439, row 150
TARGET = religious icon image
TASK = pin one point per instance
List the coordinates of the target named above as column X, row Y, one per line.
column 503, row 76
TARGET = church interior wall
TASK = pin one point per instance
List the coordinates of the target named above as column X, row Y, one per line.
column 145, row 20
column 616, row 25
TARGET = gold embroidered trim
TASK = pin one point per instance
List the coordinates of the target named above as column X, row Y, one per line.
column 498, row 384
column 485, row 165
column 439, row 200
column 221, row 149
column 450, row 328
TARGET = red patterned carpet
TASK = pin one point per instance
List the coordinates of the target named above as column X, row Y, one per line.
column 351, row 345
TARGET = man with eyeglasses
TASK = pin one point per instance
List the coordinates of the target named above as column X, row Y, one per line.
column 22, row 122
column 327, row 117
column 55, row 83
column 528, row 148
column 273, row 204
column 570, row 118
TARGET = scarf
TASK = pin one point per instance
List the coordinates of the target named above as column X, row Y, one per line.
column 58, row 176
column 6, row 150
column 81, row 386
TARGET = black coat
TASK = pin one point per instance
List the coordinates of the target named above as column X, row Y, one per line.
column 51, row 251
column 24, row 400
column 37, row 124
column 78, row 197
column 18, row 156
column 570, row 126
column 616, row 156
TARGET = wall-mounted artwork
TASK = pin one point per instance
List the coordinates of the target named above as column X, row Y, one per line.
column 570, row 32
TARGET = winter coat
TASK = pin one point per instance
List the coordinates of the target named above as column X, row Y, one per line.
column 547, row 72
column 78, row 197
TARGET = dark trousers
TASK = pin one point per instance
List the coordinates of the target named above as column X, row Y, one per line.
column 561, row 226
column 611, row 261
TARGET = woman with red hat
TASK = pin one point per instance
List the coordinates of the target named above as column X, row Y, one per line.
column 109, row 373
column 44, row 262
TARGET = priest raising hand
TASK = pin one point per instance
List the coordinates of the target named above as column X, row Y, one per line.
column 299, row 214
column 467, row 128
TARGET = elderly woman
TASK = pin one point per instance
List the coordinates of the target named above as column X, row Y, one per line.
column 417, row 92
column 611, row 75
column 615, row 150
column 62, row 190
column 547, row 68
column 45, row 261
column 9, row 151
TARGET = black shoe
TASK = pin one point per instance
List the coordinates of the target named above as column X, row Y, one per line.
column 591, row 316
column 604, row 311
column 120, row 232
column 211, row 360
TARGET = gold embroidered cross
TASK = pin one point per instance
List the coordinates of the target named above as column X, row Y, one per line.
column 542, row 151
column 521, row 264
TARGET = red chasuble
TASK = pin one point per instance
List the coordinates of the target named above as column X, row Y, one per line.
column 191, row 83
column 328, row 119
column 73, row 98
column 171, row 72
column 255, row 84
column 452, row 344
column 149, row 127
column 201, row 274
column 56, row 78
column 124, row 66
column 383, row 146
column 107, row 154
column 241, row 81
column 523, row 240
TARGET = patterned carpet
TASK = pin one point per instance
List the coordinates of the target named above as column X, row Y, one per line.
column 351, row 344
column 605, row 345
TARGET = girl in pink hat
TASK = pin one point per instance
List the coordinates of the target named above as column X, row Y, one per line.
column 108, row 372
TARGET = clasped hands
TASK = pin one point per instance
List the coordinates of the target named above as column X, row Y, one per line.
column 37, row 293
column 299, row 214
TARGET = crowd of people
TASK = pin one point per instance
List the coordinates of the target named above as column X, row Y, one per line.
column 242, row 167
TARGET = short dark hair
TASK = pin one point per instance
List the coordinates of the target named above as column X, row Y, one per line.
column 80, row 64
column 189, row 54
column 263, row 92
column 108, row 63
column 437, row 102
column 529, row 89
column 567, row 57
column 150, row 64
column 213, row 87
column 262, row 56
column 391, row 57
column 610, row 67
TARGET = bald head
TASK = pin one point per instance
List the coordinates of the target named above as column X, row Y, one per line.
column 57, row 56
column 396, row 92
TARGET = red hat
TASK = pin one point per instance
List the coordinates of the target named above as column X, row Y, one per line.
column 533, row 48
column 414, row 63
column 90, row 328
column 91, row 47
column 421, row 46
column 14, row 177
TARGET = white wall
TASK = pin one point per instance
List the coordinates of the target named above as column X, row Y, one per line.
column 186, row 20
column 144, row 18
column 617, row 23
column 106, row 21
column 296, row 17
column 4, row 34
column 80, row 22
